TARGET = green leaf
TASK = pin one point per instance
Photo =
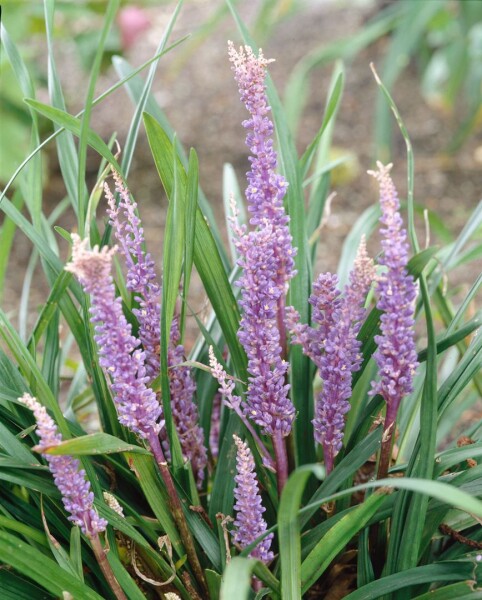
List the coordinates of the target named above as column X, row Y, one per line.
column 58, row 552
column 173, row 254
column 31, row 371
column 428, row 574
column 127, row 584
column 94, row 443
column 145, row 94
column 15, row 588
column 28, row 532
column 337, row 538
column 330, row 112
column 406, row 40
column 73, row 125
column 297, row 88
column 154, row 492
column 130, row 75
column 345, row 469
column 447, row 341
column 289, row 529
column 456, row 591
column 76, row 552
column 35, row 565
column 7, row 232
column 190, row 230
column 213, row 580
column 237, row 579
column 85, row 134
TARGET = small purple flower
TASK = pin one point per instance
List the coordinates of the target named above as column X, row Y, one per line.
column 141, row 274
column 396, row 292
column 249, row 523
column 69, row 478
column 121, row 357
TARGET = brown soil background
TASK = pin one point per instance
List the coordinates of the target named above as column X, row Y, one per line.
column 199, row 96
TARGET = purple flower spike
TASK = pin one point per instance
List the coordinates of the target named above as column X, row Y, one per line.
column 396, row 292
column 333, row 346
column 69, row 478
column 249, row 523
column 121, row 357
column 341, row 358
column 141, row 279
column 184, row 411
column 141, row 274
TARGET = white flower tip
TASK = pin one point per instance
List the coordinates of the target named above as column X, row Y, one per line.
column 28, row 401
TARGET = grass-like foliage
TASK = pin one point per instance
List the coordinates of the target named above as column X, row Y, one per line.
column 303, row 448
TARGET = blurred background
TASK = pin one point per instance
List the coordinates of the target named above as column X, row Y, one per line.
column 427, row 52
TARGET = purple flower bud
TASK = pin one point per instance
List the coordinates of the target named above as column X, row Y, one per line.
column 69, row 478
column 141, row 274
column 215, row 425
column 396, row 292
column 121, row 357
column 249, row 523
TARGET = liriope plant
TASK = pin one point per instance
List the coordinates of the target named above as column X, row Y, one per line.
column 299, row 447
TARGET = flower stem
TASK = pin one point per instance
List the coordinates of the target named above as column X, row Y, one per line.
column 266, row 457
column 281, row 460
column 378, row 549
column 176, row 509
column 100, row 555
column 386, row 449
column 329, row 459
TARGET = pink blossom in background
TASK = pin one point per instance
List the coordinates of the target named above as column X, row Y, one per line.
column 132, row 22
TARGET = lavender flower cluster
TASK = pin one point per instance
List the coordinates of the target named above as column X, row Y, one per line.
column 182, row 389
column 69, row 478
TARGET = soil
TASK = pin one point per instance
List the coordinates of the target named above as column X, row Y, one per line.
column 195, row 88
